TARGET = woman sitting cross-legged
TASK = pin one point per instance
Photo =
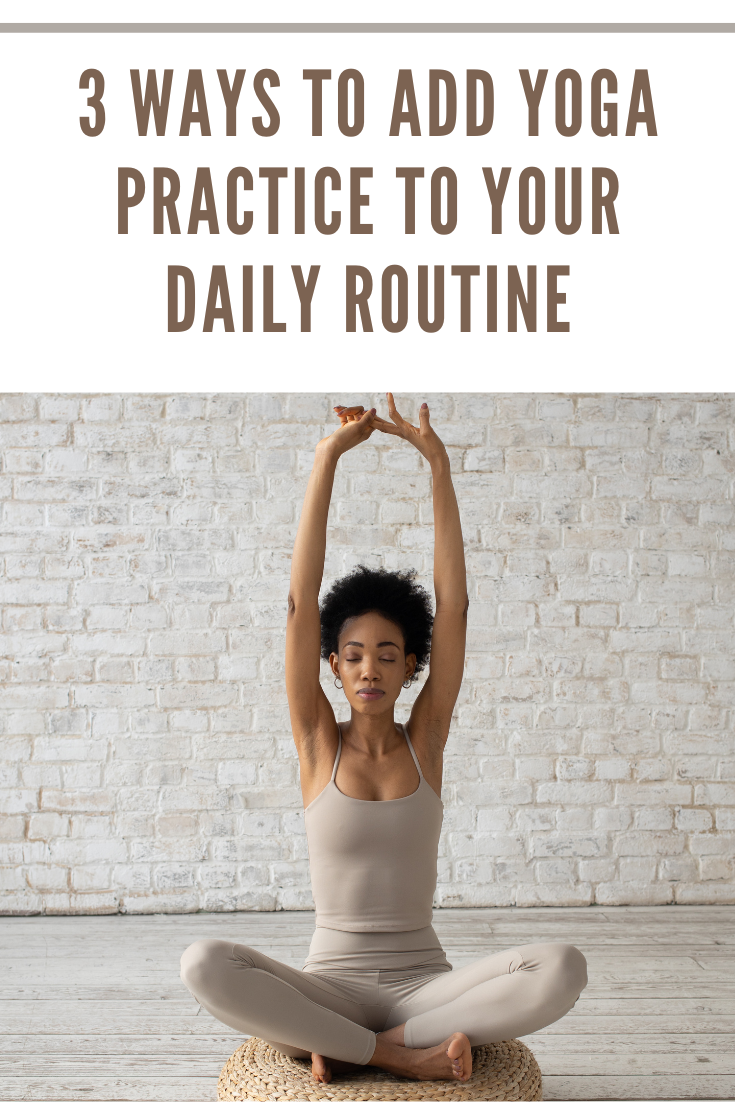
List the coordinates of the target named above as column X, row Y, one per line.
column 377, row 987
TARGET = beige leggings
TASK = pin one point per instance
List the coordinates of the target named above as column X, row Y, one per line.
column 337, row 1011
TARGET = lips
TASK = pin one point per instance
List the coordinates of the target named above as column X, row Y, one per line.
column 371, row 694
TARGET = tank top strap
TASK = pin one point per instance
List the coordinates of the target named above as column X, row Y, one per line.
column 339, row 751
column 413, row 752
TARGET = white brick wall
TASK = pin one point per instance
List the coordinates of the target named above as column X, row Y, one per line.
column 147, row 763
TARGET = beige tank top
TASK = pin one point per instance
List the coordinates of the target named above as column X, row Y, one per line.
column 373, row 862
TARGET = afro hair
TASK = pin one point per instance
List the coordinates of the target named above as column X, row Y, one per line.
column 395, row 595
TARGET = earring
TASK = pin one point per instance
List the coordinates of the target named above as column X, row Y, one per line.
column 335, row 683
column 406, row 684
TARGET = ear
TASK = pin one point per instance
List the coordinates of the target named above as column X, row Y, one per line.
column 334, row 664
column 410, row 666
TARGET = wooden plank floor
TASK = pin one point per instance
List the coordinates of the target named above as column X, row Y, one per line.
column 92, row 1007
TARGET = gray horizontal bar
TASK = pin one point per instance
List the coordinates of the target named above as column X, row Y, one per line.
column 367, row 28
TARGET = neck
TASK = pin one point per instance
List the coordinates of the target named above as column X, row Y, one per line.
column 373, row 735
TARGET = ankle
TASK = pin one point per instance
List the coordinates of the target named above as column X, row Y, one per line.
column 389, row 1054
column 394, row 1036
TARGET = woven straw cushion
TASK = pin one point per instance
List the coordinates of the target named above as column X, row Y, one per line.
column 256, row 1071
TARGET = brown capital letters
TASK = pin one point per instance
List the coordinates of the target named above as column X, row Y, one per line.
column 641, row 91
column 125, row 201
column 233, row 176
column 357, row 200
column 305, row 292
column 607, row 201
column 560, row 200
column 474, row 128
column 497, row 194
column 533, row 97
column 410, row 175
column 435, row 325
column 405, row 90
column 355, row 299
column 539, row 214
column 437, row 225
column 299, row 198
column 465, row 273
column 195, row 90
column 316, row 76
column 436, row 78
column 274, row 118
column 247, row 298
column 554, row 298
column 343, row 122
column 611, row 109
column 517, row 297
column 394, row 271
column 269, row 325
column 203, row 189
column 572, row 77
column 231, row 96
column 174, row 325
column 492, row 298
column 273, row 175
column 320, row 180
column 167, row 202
column 212, row 312
column 152, row 100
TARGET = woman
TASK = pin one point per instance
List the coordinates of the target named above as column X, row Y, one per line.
column 377, row 988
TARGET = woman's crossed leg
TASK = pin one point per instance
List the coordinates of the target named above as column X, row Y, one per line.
column 508, row 994
column 428, row 1033
column 301, row 1014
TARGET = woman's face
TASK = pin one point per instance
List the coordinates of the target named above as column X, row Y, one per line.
column 372, row 664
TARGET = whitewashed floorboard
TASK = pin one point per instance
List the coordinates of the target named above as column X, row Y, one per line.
column 41, row 1088
column 671, row 1088
column 92, row 1008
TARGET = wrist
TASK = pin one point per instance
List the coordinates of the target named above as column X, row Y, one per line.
column 439, row 462
column 326, row 452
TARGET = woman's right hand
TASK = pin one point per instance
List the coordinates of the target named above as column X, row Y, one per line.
column 355, row 425
column 423, row 437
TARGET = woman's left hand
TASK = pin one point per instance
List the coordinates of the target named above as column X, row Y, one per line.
column 423, row 438
column 355, row 425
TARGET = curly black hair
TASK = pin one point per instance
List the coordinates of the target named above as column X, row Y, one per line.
column 394, row 594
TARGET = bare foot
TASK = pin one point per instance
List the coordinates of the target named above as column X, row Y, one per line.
column 323, row 1067
column 320, row 1068
column 452, row 1059
column 459, row 1052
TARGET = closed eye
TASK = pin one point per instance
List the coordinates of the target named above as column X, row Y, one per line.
column 383, row 658
column 358, row 658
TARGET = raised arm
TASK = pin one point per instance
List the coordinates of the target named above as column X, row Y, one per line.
column 312, row 719
column 432, row 711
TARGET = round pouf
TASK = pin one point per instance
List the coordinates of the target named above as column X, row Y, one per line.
column 257, row 1072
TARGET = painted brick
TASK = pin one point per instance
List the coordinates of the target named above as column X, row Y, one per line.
column 633, row 893
column 147, row 549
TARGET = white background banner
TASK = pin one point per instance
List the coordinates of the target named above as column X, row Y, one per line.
column 86, row 307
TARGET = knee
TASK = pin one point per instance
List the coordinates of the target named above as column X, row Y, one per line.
column 202, row 961
column 569, row 967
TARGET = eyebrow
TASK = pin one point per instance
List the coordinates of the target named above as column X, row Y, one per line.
column 387, row 643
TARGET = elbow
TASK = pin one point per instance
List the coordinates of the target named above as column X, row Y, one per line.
column 300, row 604
column 455, row 605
